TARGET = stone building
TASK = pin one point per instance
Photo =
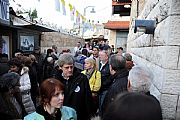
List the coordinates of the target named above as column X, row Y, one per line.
column 61, row 40
column 159, row 52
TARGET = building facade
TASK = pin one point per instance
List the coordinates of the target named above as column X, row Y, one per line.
column 159, row 52
column 118, row 26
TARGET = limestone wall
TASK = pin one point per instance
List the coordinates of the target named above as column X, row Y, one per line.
column 62, row 41
column 160, row 52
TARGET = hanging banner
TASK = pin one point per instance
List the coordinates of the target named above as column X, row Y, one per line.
column 77, row 17
column 70, row 7
column 4, row 12
column 57, row 6
column 72, row 11
column 63, row 7
column 83, row 18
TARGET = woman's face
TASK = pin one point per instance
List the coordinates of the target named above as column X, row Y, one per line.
column 57, row 99
column 88, row 65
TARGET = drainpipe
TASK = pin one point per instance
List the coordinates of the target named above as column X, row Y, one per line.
column 137, row 8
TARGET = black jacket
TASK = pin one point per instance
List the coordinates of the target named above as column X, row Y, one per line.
column 105, row 81
column 119, row 84
column 77, row 94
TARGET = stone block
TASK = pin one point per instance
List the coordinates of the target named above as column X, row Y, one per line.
column 161, row 33
column 175, row 9
column 143, row 41
column 174, row 31
column 160, row 11
column 167, row 32
column 168, row 103
column 149, row 5
column 172, row 81
column 164, row 56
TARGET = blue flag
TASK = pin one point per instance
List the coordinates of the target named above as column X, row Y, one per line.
column 57, row 5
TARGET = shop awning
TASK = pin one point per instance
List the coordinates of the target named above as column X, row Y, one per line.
column 117, row 25
column 22, row 23
column 38, row 28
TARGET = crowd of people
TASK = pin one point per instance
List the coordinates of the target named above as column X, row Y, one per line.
column 91, row 82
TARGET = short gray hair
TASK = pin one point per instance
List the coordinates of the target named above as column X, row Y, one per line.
column 140, row 79
column 117, row 62
column 65, row 58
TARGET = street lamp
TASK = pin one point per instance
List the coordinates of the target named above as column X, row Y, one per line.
column 92, row 11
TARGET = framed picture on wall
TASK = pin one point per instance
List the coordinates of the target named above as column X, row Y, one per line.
column 5, row 45
column 27, row 43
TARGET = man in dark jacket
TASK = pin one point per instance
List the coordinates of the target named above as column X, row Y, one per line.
column 105, row 74
column 119, row 79
column 77, row 92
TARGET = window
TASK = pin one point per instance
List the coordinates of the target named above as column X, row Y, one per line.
column 120, row 9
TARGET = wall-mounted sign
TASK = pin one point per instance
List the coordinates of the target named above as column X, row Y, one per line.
column 4, row 12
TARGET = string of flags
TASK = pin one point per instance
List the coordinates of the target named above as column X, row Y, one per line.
column 75, row 15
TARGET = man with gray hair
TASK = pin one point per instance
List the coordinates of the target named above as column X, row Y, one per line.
column 119, row 78
column 77, row 93
column 139, row 80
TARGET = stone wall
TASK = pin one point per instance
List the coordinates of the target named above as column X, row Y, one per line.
column 160, row 52
column 62, row 41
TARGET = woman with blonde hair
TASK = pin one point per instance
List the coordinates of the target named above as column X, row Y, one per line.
column 94, row 77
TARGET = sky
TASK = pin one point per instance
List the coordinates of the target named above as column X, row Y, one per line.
column 46, row 10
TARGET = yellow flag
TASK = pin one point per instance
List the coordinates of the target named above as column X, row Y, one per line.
column 63, row 2
column 70, row 7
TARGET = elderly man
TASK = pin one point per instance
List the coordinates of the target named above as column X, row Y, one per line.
column 77, row 93
column 105, row 74
column 119, row 78
column 139, row 80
